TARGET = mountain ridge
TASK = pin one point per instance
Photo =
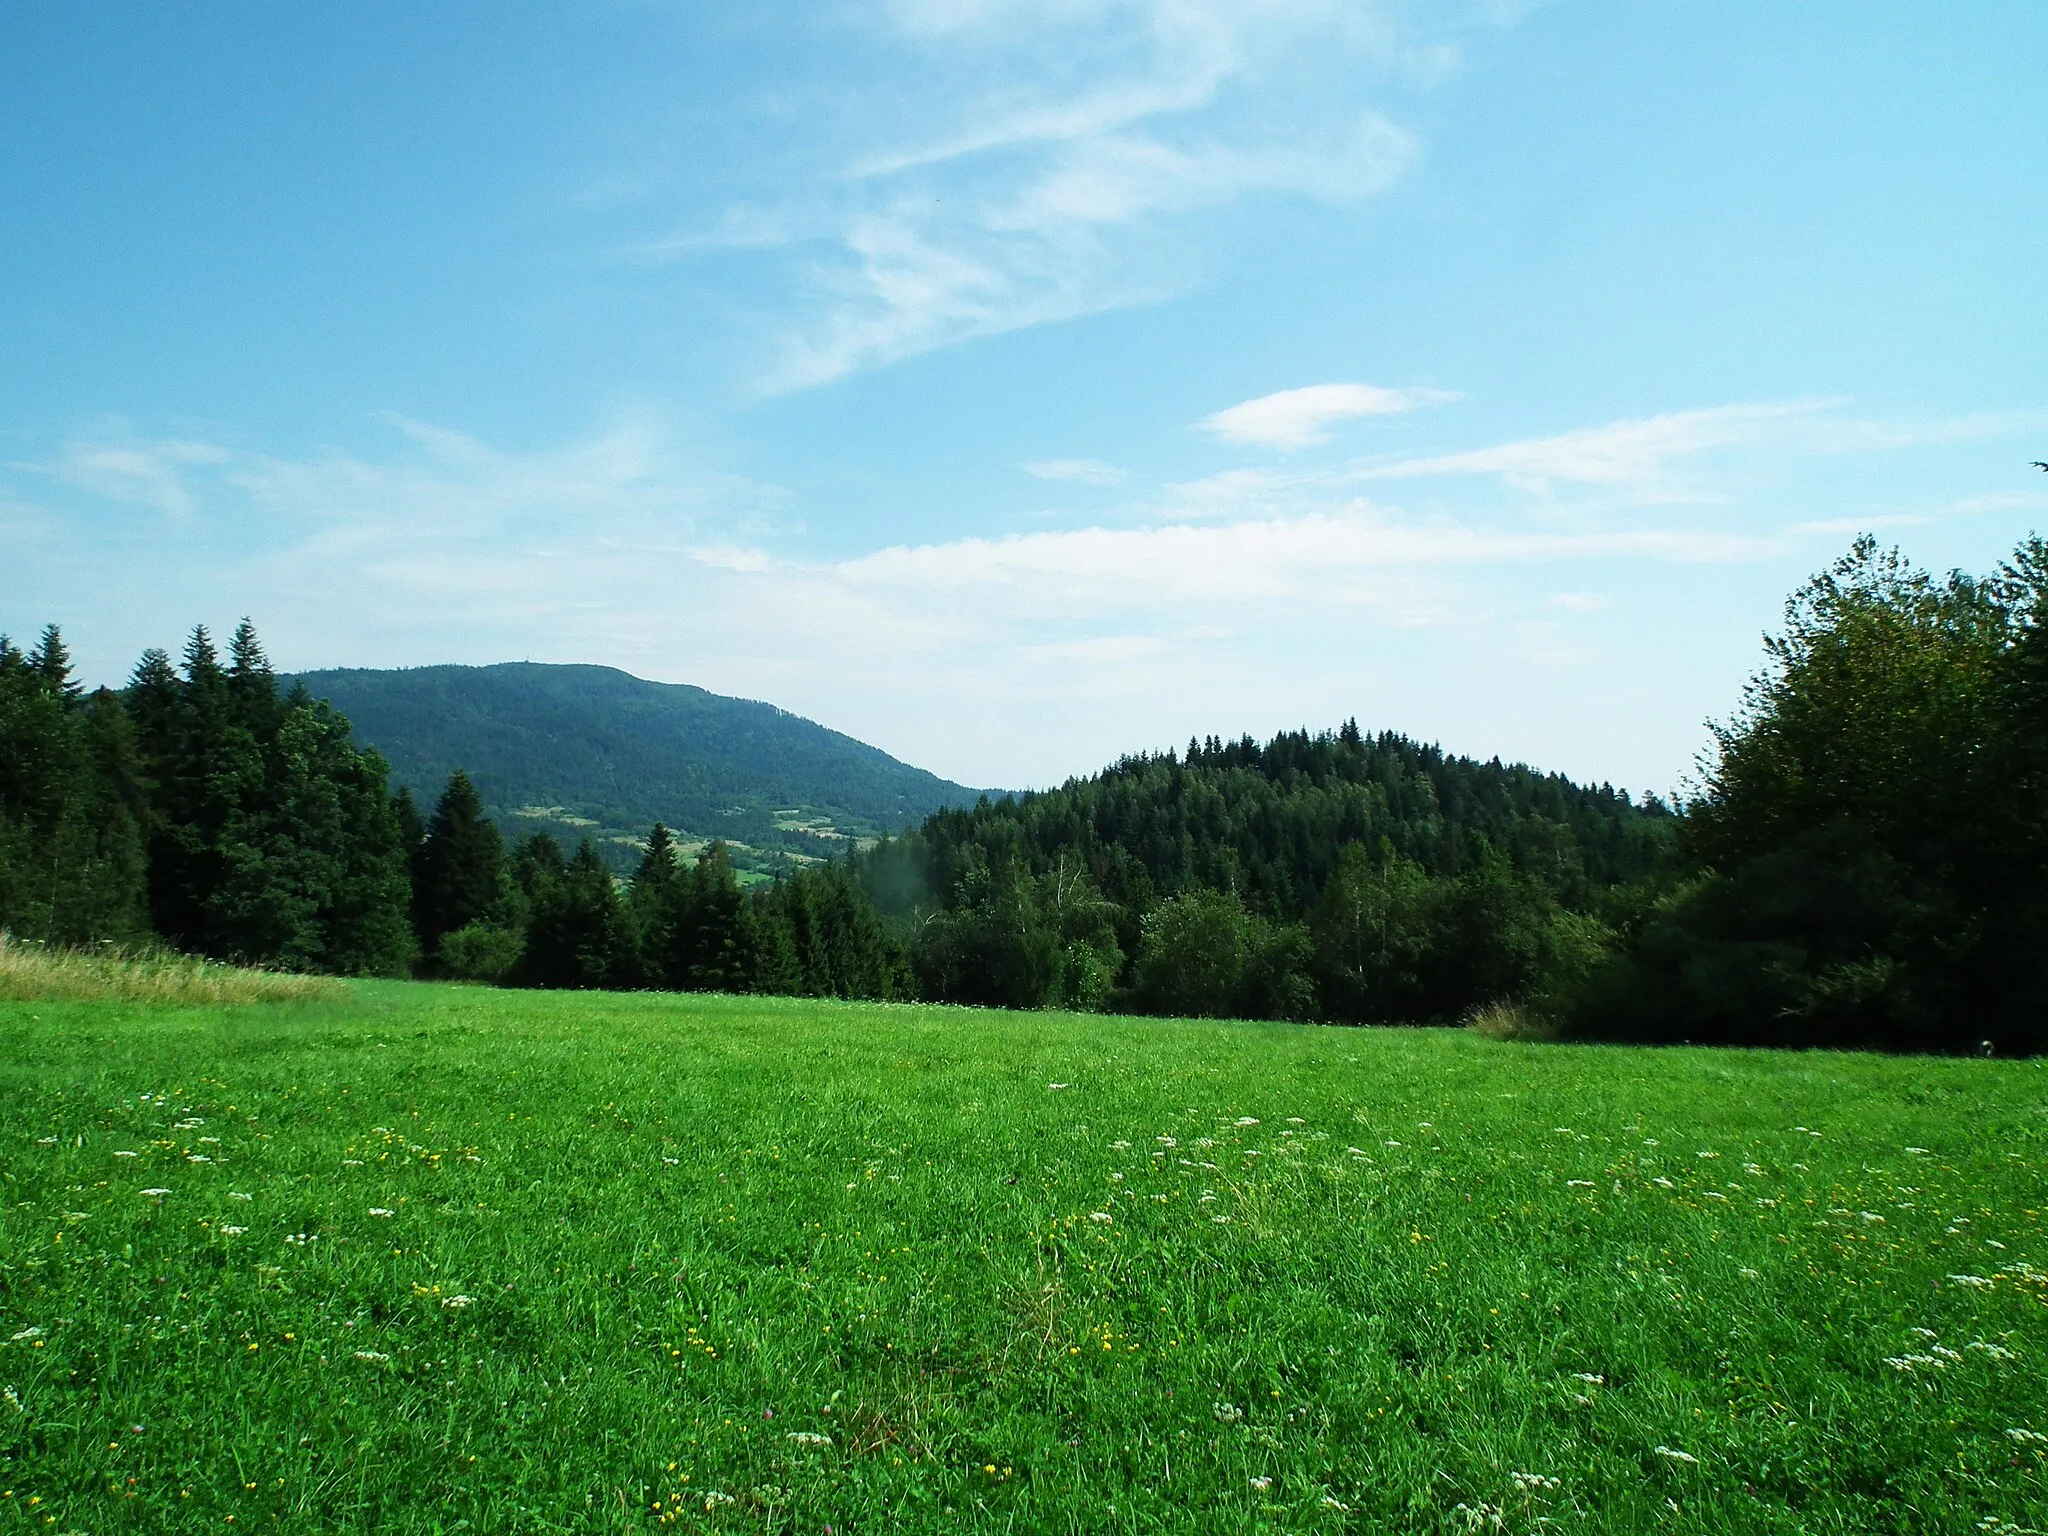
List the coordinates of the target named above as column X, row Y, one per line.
column 583, row 749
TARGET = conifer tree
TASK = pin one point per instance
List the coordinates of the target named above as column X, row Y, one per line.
column 460, row 865
column 70, row 843
column 655, row 907
column 577, row 935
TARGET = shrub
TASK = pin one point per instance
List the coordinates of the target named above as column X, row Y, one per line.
column 480, row 951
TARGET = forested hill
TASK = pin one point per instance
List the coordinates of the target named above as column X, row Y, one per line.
column 1333, row 876
column 592, row 751
column 1270, row 821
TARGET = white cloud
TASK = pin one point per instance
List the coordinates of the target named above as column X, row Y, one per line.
column 1079, row 471
column 1301, row 418
column 1577, row 602
column 1251, row 599
column 1315, row 556
column 1619, row 453
column 1065, row 161
column 151, row 475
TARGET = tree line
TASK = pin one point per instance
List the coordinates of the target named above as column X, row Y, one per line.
column 1864, row 863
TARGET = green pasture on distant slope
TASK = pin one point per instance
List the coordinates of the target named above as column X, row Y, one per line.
column 442, row 1259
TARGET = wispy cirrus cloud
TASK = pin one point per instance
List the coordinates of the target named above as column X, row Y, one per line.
column 1068, row 158
column 1078, row 471
column 1302, row 418
column 1632, row 452
column 1225, row 597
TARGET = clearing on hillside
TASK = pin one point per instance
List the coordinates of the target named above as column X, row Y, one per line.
column 434, row 1258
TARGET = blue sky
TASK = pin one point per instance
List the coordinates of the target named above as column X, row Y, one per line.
column 1011, row 384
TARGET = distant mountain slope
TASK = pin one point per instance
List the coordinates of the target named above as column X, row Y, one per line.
column 587, row 750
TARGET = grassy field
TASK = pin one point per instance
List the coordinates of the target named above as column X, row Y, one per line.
column 441, row 1259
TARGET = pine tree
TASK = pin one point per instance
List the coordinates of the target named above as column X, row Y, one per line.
column 578, row 935
column 461, row 860
column 714, row 941
column 70, row 843
column 252, row 685
column 52, row 662
column 655, row 906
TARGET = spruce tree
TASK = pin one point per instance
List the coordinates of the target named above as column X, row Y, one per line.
column 70, row 843
column 578, row 935
column 655, row 906
column 460, row 863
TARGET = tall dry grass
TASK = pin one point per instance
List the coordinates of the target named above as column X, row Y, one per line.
column 36, row 973
column 1509, row 1021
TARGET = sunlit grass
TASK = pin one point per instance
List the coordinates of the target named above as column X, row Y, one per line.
column 442, row 1259
column 32, row 973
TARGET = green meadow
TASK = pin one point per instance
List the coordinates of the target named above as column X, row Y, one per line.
column 436, row 1259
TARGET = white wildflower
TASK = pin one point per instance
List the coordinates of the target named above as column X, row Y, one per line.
column 1057, row 1086
column 457, row 1302
column 1100, row 1216
column 2028, row 1437
column 156, row 1192
column 197, row 1157
column 1660, row 1179
column 1330, row 1501
column 1710, row 1154
column 1578, row 1183
column 714, row 1498
column 373, row 1356
column 232, row 1231
column 1119, row 1146
column 1261, row 1484
column 237, row 1195
column 1589, row 1376
column 1974, row 1282
column 1917, row 1151
column 1670, row 1455
column 1246, row 1120
column 127, row 1154
column 1227, row 1413
column 1166, row 1141
column 1926, row 1333
column 1529, row 1482
column 1296, row 1120
column 1995, row 1351
column 378, row 1210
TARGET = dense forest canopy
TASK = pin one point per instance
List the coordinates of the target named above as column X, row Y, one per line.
column 592, row 751
column 1866, row 862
